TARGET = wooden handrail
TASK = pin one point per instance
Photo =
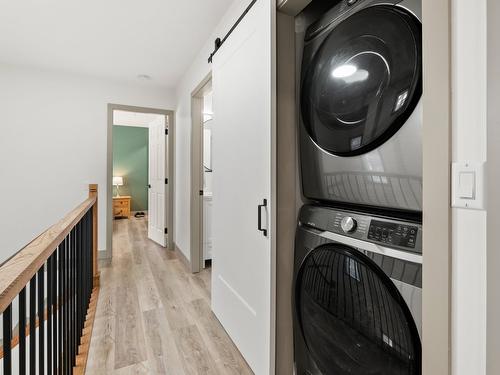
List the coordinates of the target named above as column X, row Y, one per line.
column 18, row 270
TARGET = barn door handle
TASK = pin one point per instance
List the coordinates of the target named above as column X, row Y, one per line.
column 259, row 217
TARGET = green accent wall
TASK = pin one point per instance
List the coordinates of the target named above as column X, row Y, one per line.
column 130, row 160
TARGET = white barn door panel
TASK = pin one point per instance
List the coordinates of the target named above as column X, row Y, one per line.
column 242, row 96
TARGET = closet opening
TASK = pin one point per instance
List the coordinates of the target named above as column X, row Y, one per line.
column 201, row 176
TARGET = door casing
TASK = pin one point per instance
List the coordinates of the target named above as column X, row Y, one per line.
column 436, row 142
column 108, row 253
column 196, row 201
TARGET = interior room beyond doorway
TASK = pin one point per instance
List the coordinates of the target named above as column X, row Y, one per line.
column 201, row 176
column 140, row 166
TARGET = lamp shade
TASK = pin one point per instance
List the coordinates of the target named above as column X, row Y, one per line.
column 117, row 180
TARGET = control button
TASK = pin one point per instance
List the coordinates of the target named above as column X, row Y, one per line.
column 348, row 224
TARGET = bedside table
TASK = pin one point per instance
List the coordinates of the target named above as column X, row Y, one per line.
column 121, row 206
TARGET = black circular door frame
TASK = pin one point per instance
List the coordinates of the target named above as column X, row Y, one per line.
column 358, row 346
column 364, row 80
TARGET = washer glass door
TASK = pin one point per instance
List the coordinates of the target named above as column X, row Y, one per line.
column 364, row 80
column 352, row 317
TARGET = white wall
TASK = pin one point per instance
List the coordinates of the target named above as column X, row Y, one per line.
column 135, row 119
column 469, row 226
column 198, row 70
column 53, row 130
column 207, row 142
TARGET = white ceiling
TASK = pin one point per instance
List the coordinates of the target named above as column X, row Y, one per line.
column 116, row 39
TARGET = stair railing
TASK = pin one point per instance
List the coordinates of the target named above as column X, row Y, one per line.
column 48, row 296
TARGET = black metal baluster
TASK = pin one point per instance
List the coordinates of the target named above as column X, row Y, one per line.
column 68, row 296
column 87, row 252
column 22, row 332
column 77, row 287
column 55, row 306
column 60, row 309
column 66, row 306
column 7, row 341
column 80, row 282
column 89, row 264
column 33, row 325
column 91, row 256
column 49, row 315
column 73, row 320
column 71, row 300
column 41, row 322
column 75, row 265
column 85, row 238
column 91, row 252
column 84, row 254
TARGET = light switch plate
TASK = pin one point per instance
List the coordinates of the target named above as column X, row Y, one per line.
column 468, row 185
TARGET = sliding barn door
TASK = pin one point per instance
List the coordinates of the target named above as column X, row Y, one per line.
column 241, row 275
column 157, row 185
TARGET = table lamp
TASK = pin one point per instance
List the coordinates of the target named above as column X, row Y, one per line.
column 117, row 181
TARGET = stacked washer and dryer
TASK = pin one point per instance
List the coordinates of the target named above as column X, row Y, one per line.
column 358, row 249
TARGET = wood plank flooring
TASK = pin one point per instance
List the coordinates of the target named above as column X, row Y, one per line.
column 153, row 316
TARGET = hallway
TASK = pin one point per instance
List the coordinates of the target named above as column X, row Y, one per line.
column 153, row 316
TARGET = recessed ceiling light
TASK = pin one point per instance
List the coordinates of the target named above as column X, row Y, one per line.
column 144, row 77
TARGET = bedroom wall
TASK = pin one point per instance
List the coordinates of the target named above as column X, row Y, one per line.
column 130, row 160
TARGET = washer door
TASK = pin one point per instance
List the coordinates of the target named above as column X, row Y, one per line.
column 352, row 317
column 364, row 81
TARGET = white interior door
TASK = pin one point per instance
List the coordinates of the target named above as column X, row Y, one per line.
column 241, row 154
column 157, row 184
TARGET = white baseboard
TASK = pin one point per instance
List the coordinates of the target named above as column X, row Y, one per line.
column 103, row 254
column 182, row 257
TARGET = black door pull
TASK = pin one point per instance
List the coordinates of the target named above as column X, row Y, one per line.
column 259, row 217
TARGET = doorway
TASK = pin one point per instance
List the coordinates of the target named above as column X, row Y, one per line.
column 201, row 176
column 140, row 171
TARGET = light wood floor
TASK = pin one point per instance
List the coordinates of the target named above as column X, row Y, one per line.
column 153, row 315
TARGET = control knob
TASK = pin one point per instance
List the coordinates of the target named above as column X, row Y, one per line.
column 348, row 224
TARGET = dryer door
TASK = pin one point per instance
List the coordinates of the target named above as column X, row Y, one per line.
column 352, row 317
column 364, row 81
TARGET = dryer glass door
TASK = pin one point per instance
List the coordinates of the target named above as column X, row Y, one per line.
column 364, row 81
column 352, row 317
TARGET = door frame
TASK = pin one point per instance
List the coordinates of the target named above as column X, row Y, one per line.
column 196, row 203
column 492, row 185
column 109, row 172
column 437, row 222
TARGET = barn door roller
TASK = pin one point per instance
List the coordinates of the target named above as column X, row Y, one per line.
column 219, row 42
